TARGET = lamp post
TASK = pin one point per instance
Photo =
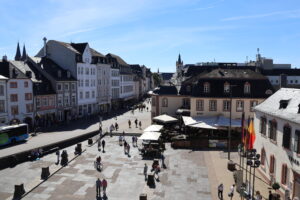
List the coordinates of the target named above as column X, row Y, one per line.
column 230, row 116
column 254, row 162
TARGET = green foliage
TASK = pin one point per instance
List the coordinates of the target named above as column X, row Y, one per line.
column 275, row 186
column 157, row 79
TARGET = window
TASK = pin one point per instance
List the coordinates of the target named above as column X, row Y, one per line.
column 284, row 174
column 29, row 108
column 212, row 105
column 59, row 101
column 93, row 94
column 247, row 88
column 263, row 157
column 28, row 96
column 297, row 142
column 272, row 130
column 51, row 101
column 206, row 88
column 1, row 90
column 239, row 106
column 226, row 105
column 13, row 84
column 272, row 164
column 87, row 71
column 286, row 139
column 2, row 106
column 262, row 125
column 45, row 101
column 87, row 95
column 186, row 103
column 252, row 105
column 38, row 102
column 59, row 88
column 26, row 84
column 79, row 70
column 153, row 101
column 13, row 98
column 67, row 100
column 66, row 86
column 164, row 102
column 14, row 110
column 283, row 104
column 80, row 95
column 73, row 99
column 87, row 83
column 226, row 87
column 73, row 86
column 199, row 105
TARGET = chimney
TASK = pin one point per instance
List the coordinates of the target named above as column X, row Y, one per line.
column 283, row 80
column 45, row 51
column 4, row 58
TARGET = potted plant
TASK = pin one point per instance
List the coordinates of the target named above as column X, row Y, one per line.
column 276, row 187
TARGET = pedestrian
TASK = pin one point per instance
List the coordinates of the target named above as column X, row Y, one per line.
column 129, row 123
column 220, row 191
column 140, row 124
column 116, row 126
column 128, row 150
column 156, row 170
column 136, row 123
column 100, row 131
column 162, row 160
column 120, row 140
column 231, row 192
column 104, row 185
column 123, row 134
column 133, row 140
column 258, row 196
column 270, row 195
column 103, row 145
column 58, row 155
column 145, row 171
column 98, row 188
column 125, row 146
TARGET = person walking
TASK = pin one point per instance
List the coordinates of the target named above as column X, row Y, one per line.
column 145, row 171
column 220, row 191
column 125, row 146
column 231, row 192
column 136, row 123
column 128, row 150
column 258, row 195
column 98, row 188
column 133, row 140
column 104, row 185
column 140, row 124
column 270, row 195
column 58, row 155
column 116, row 126
column 103, row 145
column 129, row 123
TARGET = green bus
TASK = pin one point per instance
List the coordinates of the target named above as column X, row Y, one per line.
column 13, row 133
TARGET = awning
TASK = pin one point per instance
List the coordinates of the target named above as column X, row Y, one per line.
column 210, row 122
column 202, row 125
column 165, row 119
column 154, row 128
column 150, row 136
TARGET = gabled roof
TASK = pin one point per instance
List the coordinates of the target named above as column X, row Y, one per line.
column 118, row 58
column 271, row 105
column 80, row 47
column 23, row 67
column 9, row 70
column 96, row 53
column 232, row 74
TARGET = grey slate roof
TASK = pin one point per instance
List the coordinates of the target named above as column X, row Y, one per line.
column 118, row 58
column 23, row 67
column 96, row 53
column 10, row 71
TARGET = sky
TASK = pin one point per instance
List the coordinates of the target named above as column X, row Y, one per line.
column 154, row 32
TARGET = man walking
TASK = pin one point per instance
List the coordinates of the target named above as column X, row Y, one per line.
column 220, row 191
column 162, row 160
column 128, row 150
column 129, row 123
column 103, row 145
column 98, row 188
column 58, row 155
column 140, row 124
column 136, row 123
column 145, row 171
column 231, row 192
column 104, row 185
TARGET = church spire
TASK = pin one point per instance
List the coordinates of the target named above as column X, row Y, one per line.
column 179, row 58
column 18, row 53
column 24, row 54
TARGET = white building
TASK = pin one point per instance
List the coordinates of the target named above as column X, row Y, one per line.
column 3, row 101
column 277, row 128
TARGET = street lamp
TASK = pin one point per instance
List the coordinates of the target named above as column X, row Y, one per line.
column 254, row 162
column 230, row 116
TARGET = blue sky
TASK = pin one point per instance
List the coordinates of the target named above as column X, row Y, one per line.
column 153, row 32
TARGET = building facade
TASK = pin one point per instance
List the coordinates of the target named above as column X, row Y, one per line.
column 277, row 128
column 3, row 101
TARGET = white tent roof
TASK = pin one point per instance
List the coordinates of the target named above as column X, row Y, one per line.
column 154, row 128
column 165, row 119
column 150, row 136
column 210, row 122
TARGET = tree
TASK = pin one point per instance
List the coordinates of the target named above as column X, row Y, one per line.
column 157, row 79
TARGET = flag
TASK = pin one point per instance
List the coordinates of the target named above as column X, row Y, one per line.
column 243, row 128
column 251, row 135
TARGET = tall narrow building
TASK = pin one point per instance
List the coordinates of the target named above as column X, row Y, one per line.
column 18, row 53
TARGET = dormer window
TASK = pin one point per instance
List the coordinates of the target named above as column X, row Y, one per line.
column 247, row 87
column 226, row 87
column 283, row 104
column 206, row 88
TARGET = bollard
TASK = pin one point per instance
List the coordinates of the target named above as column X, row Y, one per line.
column 78, row 149
column 90, row 141
column 64, row 158
column 45, row 173
column 150, row 180
column 19, row 191
column 143, row 196
column 231, row 166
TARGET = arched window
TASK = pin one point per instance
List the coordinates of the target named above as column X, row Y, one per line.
column 262, row 126
column 206, row 87
column 247, row 88
column 284, row 174
column 164, row 102
column 286, row 139
column 226, row 87
column 272, row 164
column 263, row 157
column 273, row 130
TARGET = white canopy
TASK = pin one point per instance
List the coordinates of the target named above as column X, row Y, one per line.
column 150, row 136
column 202, row 125
column 165, row 119
column 210, row 122
column 154, row 128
